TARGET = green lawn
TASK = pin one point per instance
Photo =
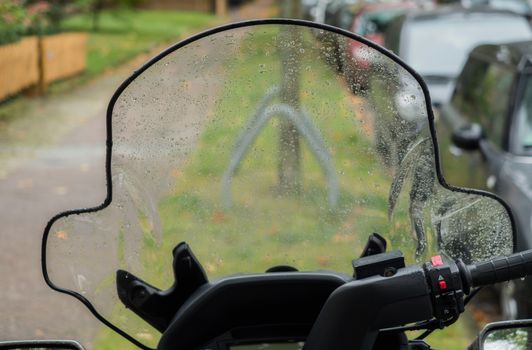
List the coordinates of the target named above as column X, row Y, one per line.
column 456, row 337
column 124, row 34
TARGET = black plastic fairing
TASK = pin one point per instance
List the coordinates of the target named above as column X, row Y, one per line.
column 356, row 311
column 285, row 298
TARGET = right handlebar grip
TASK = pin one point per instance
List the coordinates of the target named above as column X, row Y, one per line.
column 501, row 269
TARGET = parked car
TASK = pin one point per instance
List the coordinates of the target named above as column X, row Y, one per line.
column 489, row 120
column 370, row 21
column 436, row 43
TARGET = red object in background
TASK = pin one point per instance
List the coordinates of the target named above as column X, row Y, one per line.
column 370, row 22
column 436, row 261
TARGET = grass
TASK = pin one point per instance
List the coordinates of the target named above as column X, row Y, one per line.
column 456, row 337
column 124, row 34
column 263, row 227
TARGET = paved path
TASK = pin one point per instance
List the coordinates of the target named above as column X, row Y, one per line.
column 66, row 173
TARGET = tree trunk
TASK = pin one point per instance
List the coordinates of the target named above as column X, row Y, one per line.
column 220, row 8
column 289, row 170
column 97, row 8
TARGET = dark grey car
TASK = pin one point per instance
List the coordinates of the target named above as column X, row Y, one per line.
column 436, row 43
column 489, row 120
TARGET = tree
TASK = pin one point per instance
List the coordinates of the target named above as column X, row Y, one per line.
column 289, row 168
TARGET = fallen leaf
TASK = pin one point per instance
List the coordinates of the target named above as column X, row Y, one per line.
column 61, row 235
column 267, row 259
column 210, row 267
column 84, row 167
column 176, row 173
column 342, row 238
column 218, row 217
column 60, row 190
column 480, row 316
column 24, row 184
column 323, row 260
column 273, row 231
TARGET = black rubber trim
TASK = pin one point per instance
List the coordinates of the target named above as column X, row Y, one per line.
column 501, row 325
column 281, row 21
column 41, row 344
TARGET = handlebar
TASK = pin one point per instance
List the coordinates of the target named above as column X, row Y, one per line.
column 497, row 270
column 431, row 296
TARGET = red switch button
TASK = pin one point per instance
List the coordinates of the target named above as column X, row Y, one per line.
column 436, row 261
column 442, row 284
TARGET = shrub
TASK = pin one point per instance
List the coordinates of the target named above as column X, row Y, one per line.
column 13, row 21
column 35, row 17
column 45, row 16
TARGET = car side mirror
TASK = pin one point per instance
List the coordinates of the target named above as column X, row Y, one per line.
column 505, row 335
column 41, row 345
column 468, row 136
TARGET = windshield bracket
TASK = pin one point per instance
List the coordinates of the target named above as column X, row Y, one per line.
column 153, row 305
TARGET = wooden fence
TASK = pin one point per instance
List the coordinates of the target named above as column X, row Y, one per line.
column 36, row 62
column 62, row 55
column 19, row 66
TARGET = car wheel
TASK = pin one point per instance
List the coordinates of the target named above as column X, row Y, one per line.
column 508, row 301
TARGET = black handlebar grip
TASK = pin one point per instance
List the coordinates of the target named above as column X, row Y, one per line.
column 501, row 269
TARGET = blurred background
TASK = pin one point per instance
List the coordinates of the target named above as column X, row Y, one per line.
column 61, row 61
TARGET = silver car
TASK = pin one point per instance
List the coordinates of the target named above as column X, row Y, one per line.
column 436, row 43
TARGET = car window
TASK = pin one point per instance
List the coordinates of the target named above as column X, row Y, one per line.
column 439, row 46
column 523, row 136
column 493, row 106
column 482, row 95
column 468, row 89
column 393, row 34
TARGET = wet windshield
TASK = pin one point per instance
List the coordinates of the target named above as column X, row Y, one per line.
column 249, row 146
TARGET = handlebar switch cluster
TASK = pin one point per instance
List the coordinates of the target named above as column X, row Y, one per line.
column 446, row 286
